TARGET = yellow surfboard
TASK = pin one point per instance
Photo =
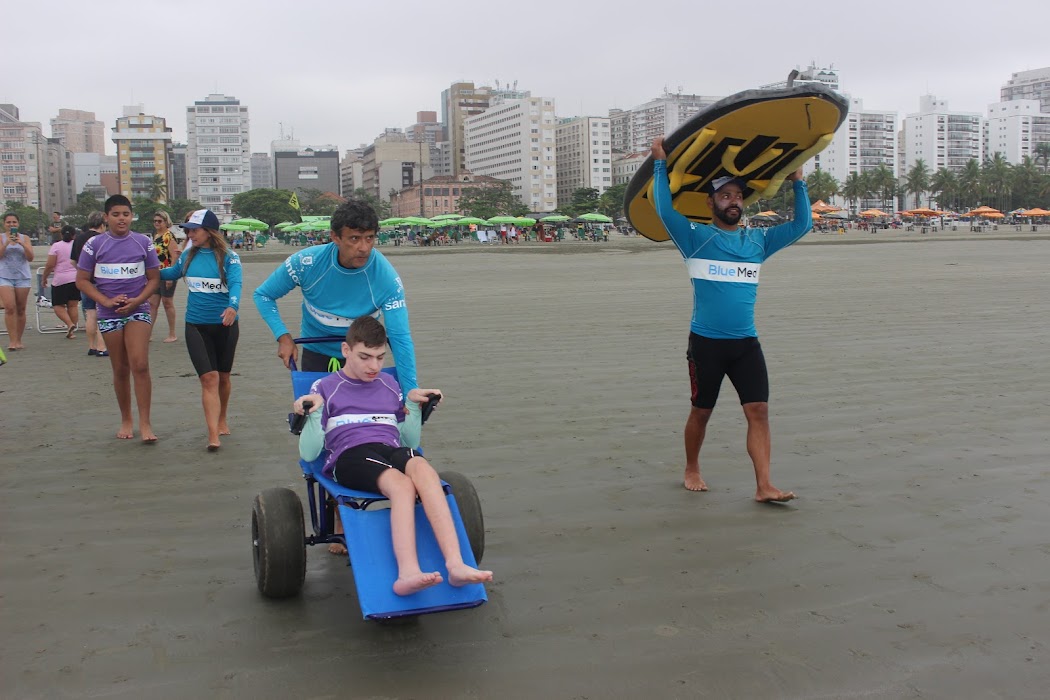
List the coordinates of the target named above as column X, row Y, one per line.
column 760, row 136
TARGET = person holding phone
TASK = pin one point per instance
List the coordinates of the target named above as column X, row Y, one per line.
column 16, row 252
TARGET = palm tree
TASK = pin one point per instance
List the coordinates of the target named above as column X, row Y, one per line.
column 882, row 183
column 1042, row 155
column 917, row 181
column 970, row 184
column 945, row 186
column 995, row 176
column 822, row 185
column 853, row 189
column 158, row 189
column 1025, row 181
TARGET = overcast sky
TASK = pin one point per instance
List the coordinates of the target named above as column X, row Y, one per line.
column 339, row 72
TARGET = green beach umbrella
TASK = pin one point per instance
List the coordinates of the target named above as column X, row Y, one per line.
column 596, row 218
column 415, row 221
column 466, row 220
column 252, row 224
column 525, row 221
column 503, row 220
column 392, row 221
column 285, row 225
column 234, row 227
column 554, row 218
column 446, row 217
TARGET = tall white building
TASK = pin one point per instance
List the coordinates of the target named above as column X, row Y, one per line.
column 625, row 165
column 583, row 156
column 23, row 158
column 218, row 162
column 661, row 116
column 1028, row 85
column 514, row 140
column 940, row 137
column 1015, row 129
column 262, row 171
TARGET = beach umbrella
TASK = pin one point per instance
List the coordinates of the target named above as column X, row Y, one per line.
column 503, row 220
column 554, row 218
column 982, row 211
column 392, row 221
column 994, row 215
column 836, row 215
column 923, row 211
column 415, row 221
column 525, row 221
column 284, row 225
column 819, row 207
column 252, row 224
column 873, row 212
column 234, row 227
column 595, row 217
column 1037, row 212
column 446, row 217
column 467, row 220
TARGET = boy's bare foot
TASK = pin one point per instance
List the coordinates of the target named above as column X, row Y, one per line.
column 170, row 339
column 772, row 494
column 692, row 480
column 416, row 583
column 148, row 435
column 336, row 548
column 126, row 432
column 462, row 575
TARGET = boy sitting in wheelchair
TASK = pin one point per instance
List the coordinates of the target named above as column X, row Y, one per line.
column 355, row 416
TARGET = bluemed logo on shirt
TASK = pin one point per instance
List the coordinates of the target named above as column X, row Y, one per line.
column 360, row 419
column 120, row 271
column 723, row 270
column 206, row 285
column 325, row 318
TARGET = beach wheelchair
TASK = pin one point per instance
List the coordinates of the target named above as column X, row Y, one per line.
column 279, row 536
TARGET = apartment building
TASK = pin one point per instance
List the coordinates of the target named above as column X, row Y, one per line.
column 1016, row 129
column 218, row 152
column 940, row 137
column 143, row 152
column 79, row 131
column 514, row 140
column 583, row 155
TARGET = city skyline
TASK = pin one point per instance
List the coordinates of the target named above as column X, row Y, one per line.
column 581, row 56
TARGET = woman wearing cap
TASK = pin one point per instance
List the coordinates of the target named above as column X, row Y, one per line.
column 213, row 278
column 16, row 252
column 167, row 252
column 65, row 297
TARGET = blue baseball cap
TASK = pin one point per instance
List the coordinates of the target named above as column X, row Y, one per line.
column 202, row 218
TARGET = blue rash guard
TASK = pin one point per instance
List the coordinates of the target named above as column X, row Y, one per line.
column 333, row 296
column 208, row 297
column 724, row 265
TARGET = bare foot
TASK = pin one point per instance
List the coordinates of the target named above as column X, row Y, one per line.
column 70, row 332
column 170, row 339
column 773, row 495
column 337, row 549
column 126, row 432
column 462, row 574
column 224, row 429
column 692, row 480
column 416, row 583
column 148, row 436
column 214, row 446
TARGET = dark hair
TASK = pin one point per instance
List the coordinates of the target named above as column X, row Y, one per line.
column 11, row 213
column 68, row 233
column 94, row 220
column 356, row 215
column 117, row 200
column 367, row 330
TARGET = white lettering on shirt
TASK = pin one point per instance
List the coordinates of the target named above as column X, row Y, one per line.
column 206, row 285
column 359, row 419
column 120, row 271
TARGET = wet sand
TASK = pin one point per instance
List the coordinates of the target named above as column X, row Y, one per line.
column 909, row 412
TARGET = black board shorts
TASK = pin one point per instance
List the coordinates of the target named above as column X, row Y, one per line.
column 212, row 346
column 712, row 359
column 360, row 467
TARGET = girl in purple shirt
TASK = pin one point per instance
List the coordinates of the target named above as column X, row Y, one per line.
column 119, row 271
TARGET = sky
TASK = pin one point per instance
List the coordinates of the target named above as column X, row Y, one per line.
column 340, row 72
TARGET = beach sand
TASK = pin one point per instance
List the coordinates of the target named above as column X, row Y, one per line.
column 909, row 412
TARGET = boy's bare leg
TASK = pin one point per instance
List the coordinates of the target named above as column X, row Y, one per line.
column 224, row 401
column 136, row 345
column 402, row 494
column 695, row 429
column 118, row 360
column 759, row 448
column 337, row 548
column 428, row 485
column 154, row 305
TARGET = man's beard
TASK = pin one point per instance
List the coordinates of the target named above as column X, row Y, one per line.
column 726, row 218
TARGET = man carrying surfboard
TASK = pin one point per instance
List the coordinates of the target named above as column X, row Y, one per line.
column 724, row 261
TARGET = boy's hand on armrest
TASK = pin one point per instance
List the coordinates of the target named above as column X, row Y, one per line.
column 421, row 396
column 314, row 398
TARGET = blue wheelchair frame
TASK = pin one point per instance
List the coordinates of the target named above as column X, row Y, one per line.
column 367, row 536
